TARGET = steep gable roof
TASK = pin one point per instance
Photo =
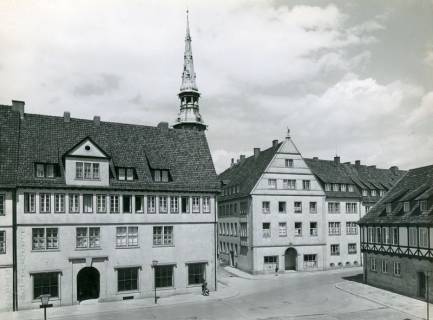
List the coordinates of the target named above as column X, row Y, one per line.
column 9, row 133
column 41, row 138
column 415, row 183
column 247, row 172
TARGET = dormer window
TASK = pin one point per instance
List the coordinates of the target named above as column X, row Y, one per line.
column 423, row 205
column 125, row 174
column 87, row 171
column 335, row 187
column 350, row 188
column 381, row 193
column 364, row 192
column 289, row 163
column 343, row 187
column 45, row 170
column 161, row 175
column 388, row 208
column 373, row 193
column 406, row 206
column 327, row 187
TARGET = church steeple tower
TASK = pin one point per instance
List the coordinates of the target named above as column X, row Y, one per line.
column 189, row 116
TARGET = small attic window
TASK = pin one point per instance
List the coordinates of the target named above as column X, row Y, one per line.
column 46, row 170
column 364, row 192
column 161, row 175
column 388, row 208
column 327, row 187
column 423, row 205
column 127, row 174
column 373, row 193
column 406, row 206
column 381, row 193
column 350, row 188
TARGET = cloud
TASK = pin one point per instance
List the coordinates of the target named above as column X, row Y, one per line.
column 101, row 85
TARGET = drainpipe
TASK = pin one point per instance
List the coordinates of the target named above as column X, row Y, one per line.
column 215, row 240
column 14, row 252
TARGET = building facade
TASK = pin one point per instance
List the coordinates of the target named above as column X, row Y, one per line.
column 279, row 211
column 101, row 210
column 397, row 237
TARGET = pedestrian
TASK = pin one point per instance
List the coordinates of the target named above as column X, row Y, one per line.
column 276, row 270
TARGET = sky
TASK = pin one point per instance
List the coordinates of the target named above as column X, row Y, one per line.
column 353, row 78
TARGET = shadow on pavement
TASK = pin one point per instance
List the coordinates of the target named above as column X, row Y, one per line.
column 355, row 278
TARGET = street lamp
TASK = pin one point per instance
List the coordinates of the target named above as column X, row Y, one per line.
column 427, row 275
column 154, row 264
column 45, row 298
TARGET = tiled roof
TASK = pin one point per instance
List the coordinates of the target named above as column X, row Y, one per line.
column 364, row 177
column 417, row 184
column 247, row 172
column 47, row 138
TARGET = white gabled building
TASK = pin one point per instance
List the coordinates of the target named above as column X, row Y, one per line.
column 271, row 212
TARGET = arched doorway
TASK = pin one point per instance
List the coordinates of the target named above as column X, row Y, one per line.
column 290, row 259
column 88, row 284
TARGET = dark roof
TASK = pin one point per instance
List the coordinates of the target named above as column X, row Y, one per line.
column 415, row 185
column 364, row 177
column 247, row 172
column 40, row 138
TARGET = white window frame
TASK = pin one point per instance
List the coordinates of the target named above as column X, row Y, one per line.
column 272, row 183
column 165, row 238
column 335, row 249
column 74, row 202
column 195, row 204
column 151, row 204
column 29, row 202
column 266, row 207
column 174, row 204
column 282, row 229
column 86, row 207
column 2, row 242
column 114, row 203
column 206, row 204
column 101, row 203
column 59, row 203
column 45, row 203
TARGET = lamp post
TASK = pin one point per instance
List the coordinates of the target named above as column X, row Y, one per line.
column 154, row 264
column 45, row 298
column 427, row 275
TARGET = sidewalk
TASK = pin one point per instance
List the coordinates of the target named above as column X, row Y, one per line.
column 413, row 307
column 224, row 292
column 287, row 274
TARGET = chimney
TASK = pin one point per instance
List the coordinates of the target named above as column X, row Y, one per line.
column 66, row 116
column 242, row 158
column 18, row 106
column 315, row 158
column 97, row 120
column 256, row 152
column 232, row 163
column 357, row 162
column 337, row 159
column 274, row 143
column 163, row 126
column 394, row 169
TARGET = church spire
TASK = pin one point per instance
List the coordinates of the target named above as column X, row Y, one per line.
column 189, row 116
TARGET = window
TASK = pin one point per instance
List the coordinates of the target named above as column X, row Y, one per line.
column 29, row 203
column 289, row 184
column 306, row 184
column 298, row 206
column 381, row 193
column 87, row 203
column 373, row 193
column 397, row 268
column 423, row 205
column 195, row 204
column 126, row 237
column 373, row 264
column 127, row 279
column 163, row 236
column 46, row 283
column 163, row 276
column 101, row 203
column 127, row 203
column 406, row 206
column 282, row 207
column 151, row 204
column 87, row 171
column 351, row 228
column 310, row 261
column 129, row 174
column 333, row 207
column 45, row 239
column 88, row 237
column 121, row 173
column 266, row 227
column 364, row 193
column 44, row 203
column 351, row 207
column 378, row 234
column 395, row 237
column 327, row 187
column 2, row 242
column 313, row 229
column 334, row 228
column 350, row 188
column 266, row 207
column 351, row 248
column 272, row 183
column 270, row 259
column 196, row 273
column 388, row 208
column 164, row 176
column 289, row 163
column 243, row 250
column 59, row 203
column 343, row 187
column 174, row 204
column 384, row 266
column 139, row 204
column 40, row 170
column 282, row 229
column 423, row 237
column 185, row 204
column 74, row 203
column 367, row 208
column 335, row 187
column 298, row 229
column 335, row 249
column 114, row 203
column 313, row 207
column 412, row 237
column 206, row 204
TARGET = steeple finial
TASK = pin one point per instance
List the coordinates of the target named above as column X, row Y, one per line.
column 188, row 74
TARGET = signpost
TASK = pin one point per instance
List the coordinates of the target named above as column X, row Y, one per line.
column 45, row 298
column 154, row 264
